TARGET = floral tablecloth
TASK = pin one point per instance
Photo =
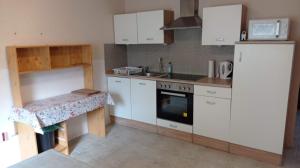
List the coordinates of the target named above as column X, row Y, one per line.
column 46, row 112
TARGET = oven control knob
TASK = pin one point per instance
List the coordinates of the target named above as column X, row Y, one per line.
column 169, row 86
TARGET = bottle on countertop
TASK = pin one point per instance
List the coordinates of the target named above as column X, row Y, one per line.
column 170, row 68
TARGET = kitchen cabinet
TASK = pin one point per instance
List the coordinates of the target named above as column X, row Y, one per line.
column 143, row 100
column 261, row 84
column 119, row 88
column 212, row 112
column 222, row 25
column 150, row 24
column 125, row 27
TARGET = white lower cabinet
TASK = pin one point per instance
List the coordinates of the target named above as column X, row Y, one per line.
column 143, row 100
column 119, row 88
column 212, row 116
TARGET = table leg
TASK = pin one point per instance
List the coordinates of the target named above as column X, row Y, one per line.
column 27, row 139
column 96, row 122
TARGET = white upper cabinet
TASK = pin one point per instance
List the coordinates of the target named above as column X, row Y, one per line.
column 143, row 100
column 222, row 25
column 125, row 26
column 149, row 27
column 144, row 27
column 119, row 88
column 260, row 93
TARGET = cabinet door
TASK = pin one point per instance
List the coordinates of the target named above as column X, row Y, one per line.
column 149, row 24
column 125, row 26
column 119, row 88
column 212, row 117
column 260, row 92
column 221, row 25
column 143, row 99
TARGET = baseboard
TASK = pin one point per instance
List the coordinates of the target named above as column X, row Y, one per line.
column 134, row 124
column 175, row 134
column 260, row 155
column 211, row 143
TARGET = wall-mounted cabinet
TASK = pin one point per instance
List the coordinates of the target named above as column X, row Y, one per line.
column 125, row 26
column 150, row 24
column 222, row 25
column 44, row 58
column 143, row 27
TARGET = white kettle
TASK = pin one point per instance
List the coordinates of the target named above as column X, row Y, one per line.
column 225, row 69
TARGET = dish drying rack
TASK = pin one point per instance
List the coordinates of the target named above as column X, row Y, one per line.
column 127, row 70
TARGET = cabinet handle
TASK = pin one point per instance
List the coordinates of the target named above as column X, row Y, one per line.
column 210, row 103
column 117, row 81
column 211, row 92
column 143, row 84
column 149, row 39
column 240, row 57
column 220, row 39
column 173, row 126
column 125, row 39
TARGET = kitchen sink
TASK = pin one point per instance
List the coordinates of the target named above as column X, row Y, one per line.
column 152, row 74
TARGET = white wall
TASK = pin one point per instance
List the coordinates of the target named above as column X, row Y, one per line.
column 38, row 22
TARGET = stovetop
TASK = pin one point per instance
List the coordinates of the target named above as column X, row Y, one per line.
column 185, row 77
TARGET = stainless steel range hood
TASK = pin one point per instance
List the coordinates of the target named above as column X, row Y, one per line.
column 186, row 21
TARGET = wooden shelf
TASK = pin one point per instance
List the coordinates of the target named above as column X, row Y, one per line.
column 33, row 59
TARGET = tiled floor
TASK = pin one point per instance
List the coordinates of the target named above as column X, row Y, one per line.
column 129, row 148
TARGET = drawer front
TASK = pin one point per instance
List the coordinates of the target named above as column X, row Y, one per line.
column 175, row 125
column 212, row 117
column 212, row 91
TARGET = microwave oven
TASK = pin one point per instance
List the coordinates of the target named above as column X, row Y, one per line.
column 269, row 29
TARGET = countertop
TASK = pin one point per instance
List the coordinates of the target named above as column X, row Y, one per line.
column 214, row 82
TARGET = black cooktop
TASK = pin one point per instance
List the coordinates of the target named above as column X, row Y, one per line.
column 185, row 77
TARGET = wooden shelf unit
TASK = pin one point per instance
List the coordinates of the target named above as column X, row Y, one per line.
column 32, row 59
column 45, row 58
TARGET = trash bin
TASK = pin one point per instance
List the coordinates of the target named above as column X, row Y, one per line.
column 46, row 141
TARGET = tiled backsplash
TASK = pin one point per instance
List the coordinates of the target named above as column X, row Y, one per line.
column 115, row 56
column 186, row 54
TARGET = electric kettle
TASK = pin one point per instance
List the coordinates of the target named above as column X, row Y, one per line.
column 225, row 69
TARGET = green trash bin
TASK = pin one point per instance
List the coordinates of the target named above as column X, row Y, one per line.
column 46, row 141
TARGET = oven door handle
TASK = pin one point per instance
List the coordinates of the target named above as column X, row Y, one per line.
column 173, row 94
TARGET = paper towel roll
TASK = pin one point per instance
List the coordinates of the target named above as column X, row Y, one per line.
column 211, row 68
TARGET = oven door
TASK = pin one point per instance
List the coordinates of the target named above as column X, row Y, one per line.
column 175, row 106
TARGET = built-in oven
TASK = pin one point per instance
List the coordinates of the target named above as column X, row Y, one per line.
column 175, row 102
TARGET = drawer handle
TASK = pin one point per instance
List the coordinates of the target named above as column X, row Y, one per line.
column 173, row 126
column 220, row 39
column 149, row 39
column 211, row 92
column 118, row 81
column 210, row 103
column 143, row 84
column 125, row 39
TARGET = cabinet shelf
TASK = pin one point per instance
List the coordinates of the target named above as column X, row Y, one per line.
column 33, row 59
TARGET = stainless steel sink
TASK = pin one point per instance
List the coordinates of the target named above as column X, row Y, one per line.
column 153, row 74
